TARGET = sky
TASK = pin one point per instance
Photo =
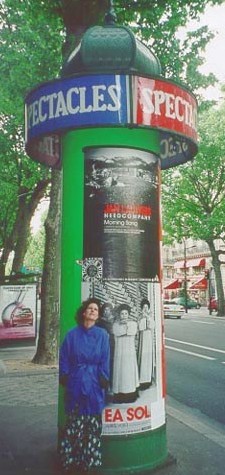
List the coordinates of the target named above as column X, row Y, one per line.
column 36, row 221
column 214, row 18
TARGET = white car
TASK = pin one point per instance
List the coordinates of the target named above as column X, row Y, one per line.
column 173, row 309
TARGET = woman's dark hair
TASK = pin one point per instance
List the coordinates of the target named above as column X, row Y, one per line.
column 80, row 312
column 145, row 302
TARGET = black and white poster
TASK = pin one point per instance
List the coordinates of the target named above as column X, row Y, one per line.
column 121, row 212
column 131, row 314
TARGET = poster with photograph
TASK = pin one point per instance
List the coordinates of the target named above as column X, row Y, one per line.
column 18, row 311
column 121, row 267
column 121, row 212
column 131, row 314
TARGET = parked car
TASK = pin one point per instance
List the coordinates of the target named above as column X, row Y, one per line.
column 172, row 309
column 190, row 302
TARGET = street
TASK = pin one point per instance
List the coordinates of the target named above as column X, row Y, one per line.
column 195, row 356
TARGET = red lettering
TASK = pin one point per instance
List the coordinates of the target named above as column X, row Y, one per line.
column 130, row 414
column 108, row 415
column 117, row 416
column 113, row 416
column 138, row 413
column 134, row 209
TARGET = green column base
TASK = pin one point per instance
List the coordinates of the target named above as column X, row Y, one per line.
column 138, row 453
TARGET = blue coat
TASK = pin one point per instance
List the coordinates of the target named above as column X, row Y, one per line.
column 84, row 358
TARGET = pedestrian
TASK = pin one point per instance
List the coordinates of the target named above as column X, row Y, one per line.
column 84, row 372
column 125, row 369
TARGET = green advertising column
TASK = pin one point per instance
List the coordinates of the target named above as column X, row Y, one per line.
column 141, row 421
column 113, row 123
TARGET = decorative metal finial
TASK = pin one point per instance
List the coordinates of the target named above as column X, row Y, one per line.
column 110, row 16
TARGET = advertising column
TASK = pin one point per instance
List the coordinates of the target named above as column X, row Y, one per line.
column 113, row 133
column 111, row 188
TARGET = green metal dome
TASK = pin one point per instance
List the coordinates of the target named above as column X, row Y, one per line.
column 111, row 48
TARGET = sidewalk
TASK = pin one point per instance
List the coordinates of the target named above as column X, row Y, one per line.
column 28, row 421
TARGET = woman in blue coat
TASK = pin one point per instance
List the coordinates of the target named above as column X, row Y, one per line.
column 84, row 372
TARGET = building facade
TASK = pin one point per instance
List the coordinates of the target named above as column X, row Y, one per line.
column 189, row 265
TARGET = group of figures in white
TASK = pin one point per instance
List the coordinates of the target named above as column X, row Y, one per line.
column 132, row 350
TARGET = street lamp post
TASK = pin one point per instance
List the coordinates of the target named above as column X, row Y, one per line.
column 210, row 290
column 185, row 277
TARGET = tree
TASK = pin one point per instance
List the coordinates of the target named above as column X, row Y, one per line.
column 47, row 350
column 39, row 27
column 24, row 41
column 31, row 41
column 23, row 184
column 194, row 195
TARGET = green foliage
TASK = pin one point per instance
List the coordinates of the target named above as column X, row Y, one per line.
column 194, row 195
column 30, row 43
column 30, row 36
column 18, row 175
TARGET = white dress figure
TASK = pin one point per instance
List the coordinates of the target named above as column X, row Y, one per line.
column 146, row 345
column 125, row 369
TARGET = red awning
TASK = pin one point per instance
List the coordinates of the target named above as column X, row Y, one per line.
column 200, row 284
column 199, row 262
column 175, row 284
